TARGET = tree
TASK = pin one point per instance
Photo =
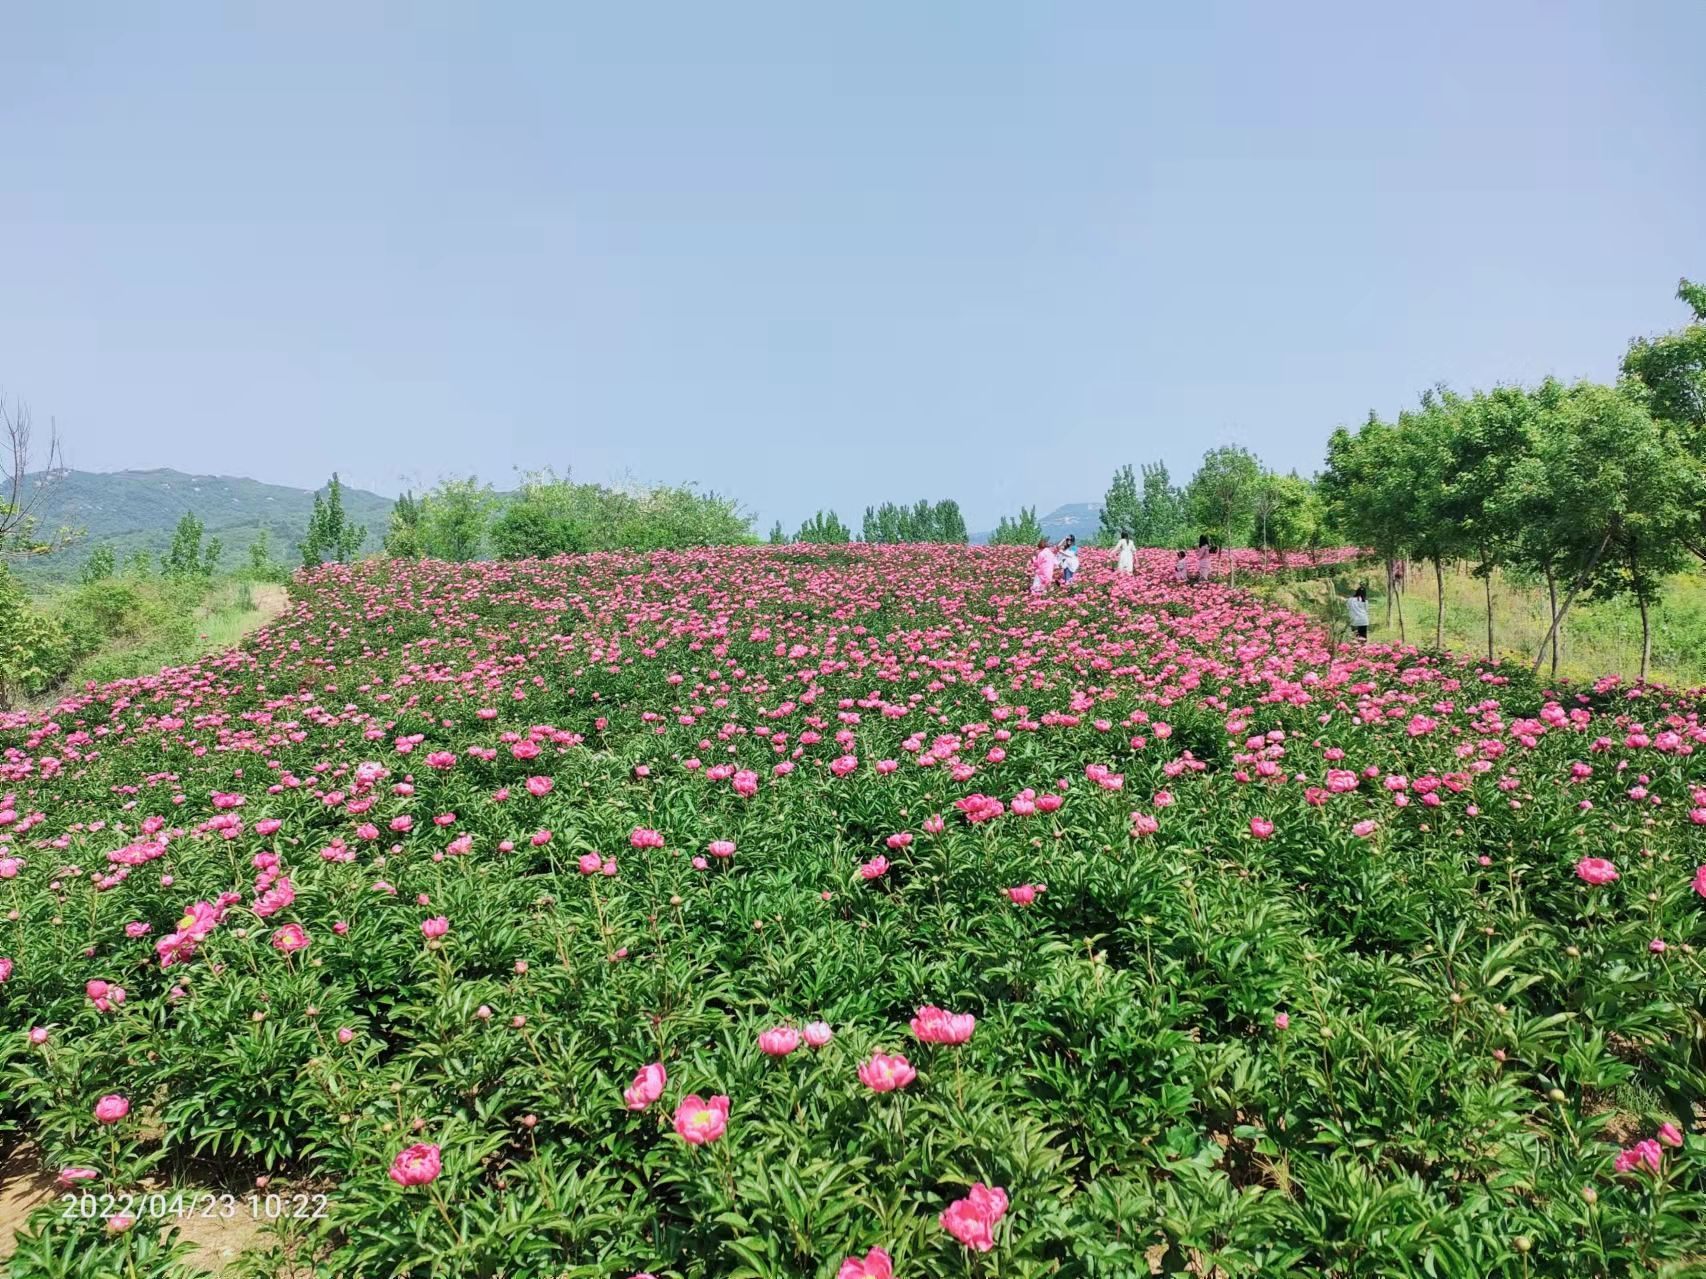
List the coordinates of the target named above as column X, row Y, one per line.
column 824, row 529
column 1424, row 463
column 1608, row 496
column 923, row 521
column 24, row 489
column 1026, row 530
column 1294, row 512
column 1667, row 374
column 544, row 519
column 402, row 534
column 329, row 532
column 1364, row 485
column 1221, row 495
column 1162, row 505
column 1495, row 430
column 185, row 559
column 261, row 565
column 100, row 565
column 1122, row 509
column 453, row 520
column 778, row 535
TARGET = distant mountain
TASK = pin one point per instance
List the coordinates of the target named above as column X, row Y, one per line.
column 137, row 510
column 1082, row 518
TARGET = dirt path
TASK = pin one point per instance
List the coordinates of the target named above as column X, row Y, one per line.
column 25, row 1186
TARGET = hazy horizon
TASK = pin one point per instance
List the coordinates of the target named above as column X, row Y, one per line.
column 822, row 259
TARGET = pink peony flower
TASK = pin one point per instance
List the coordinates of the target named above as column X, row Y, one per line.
column 1282, row 1020
column 778, row 1041
column 875, row 1264
column 876, row 868
column 647, row 1086
column 290, row 939
column 1023, row 894
column 972, row 1220
column 721, row 848
column 1596, row 870
column 700, row 1120
column 1261, row 827
column 417, row 1165
column 111, row 1108
column 884, row 1072
column 818, row 1033
column 435, row 927
column 935, row 1025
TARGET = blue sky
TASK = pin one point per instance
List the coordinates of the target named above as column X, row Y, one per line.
column 822, row 255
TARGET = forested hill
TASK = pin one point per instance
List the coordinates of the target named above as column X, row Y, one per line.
column 137, row 510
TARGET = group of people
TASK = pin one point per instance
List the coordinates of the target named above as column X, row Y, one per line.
column 1190, row 566
column 1062, row 556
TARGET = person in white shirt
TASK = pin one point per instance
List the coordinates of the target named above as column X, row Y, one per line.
column 1126, row 550
column 1182, row 568
column 1068, row 559
column 1357, row 606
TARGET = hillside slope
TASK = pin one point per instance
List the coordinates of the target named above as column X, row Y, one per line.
column 137, row 510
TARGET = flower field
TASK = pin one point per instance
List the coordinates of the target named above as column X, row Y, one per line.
column 848, row 912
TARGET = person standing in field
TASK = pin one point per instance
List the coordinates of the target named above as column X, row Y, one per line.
column 1202, row 559
column 1357, row 606
column 1126, row 552
column 1068, row 559
column 1042, row 567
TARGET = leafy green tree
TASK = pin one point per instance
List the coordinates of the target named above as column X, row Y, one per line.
column 824, row 528
column 1364, row 484
column 1222, row 494
column 1292, row 513
column 402, row 533
column 1163, row 512
column 1122, row 509
column 1495, row 430
column 185, row 559
column 547, row 517
column 33, row 651
column 100, row 565
column 139, row 564
column 262, row 567
column 778, row 535
column 330, row 534
column 453, row 520
column 1608, row 496
column 1026, row 530
column 1668, row 375
column 923, row 521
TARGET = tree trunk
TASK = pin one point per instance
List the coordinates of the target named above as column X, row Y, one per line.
column 1487, row 582
column 1439, row 606
column 1402, row 639
column 1558, row 618
column 1646, row 634
column 1389, row 592
column 1552, row 604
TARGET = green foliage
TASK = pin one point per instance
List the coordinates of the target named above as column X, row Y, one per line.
column 824, row 529
column 186, row 558
column 1163, row 510
column 923, row 521
column 330, row 533
column 546, row 518
column 1026, row 530
column 34, row 652
column 454, row 518
column 1122, row 509
column 99, row 566
column 261, row 566
column 403, row 530
column 1221, row 497
column 778, row 535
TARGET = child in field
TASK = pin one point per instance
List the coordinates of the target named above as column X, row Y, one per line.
column 1042, row 567
column 1202, row 559
column 1126, row 550
column 1357, row 606
column 1181, row 569
column 1068, row 559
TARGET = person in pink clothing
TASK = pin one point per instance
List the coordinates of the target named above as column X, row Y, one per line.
column 1042, row 567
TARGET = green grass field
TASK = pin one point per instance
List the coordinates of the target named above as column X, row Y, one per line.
column 1598, row 638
